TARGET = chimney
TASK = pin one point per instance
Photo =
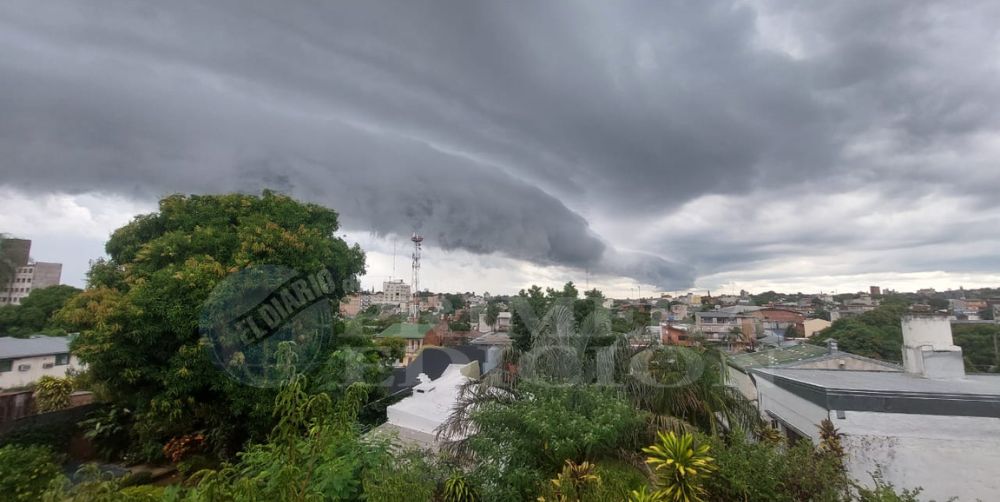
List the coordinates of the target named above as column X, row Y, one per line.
column 928, row 348
column 831, row 345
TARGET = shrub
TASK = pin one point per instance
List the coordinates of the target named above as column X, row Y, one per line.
column 408, row 477
column 52, row 393
column 27, row 471
column 680, row 464
column 763, row 471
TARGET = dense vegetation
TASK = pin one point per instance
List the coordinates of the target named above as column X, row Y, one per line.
column 35, row 314
column 139, row 316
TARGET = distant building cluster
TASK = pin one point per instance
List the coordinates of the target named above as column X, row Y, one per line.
column 28, row 274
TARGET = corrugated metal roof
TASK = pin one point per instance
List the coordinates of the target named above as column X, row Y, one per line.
column 14, row 348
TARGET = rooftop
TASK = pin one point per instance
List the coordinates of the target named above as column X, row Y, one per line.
column 37, row 345
column 407, row 330
column 890, row 392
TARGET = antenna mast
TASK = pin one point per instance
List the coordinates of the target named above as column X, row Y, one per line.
column 417, row 239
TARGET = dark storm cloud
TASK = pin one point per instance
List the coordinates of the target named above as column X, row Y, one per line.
column 504, row 126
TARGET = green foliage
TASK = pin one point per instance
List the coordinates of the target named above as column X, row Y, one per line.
column 35, row 313
column 108, row 430
column 521, row 441
column 459, row 488
column 52, row 393
column 885, row 491
column 877, row 334
column 765, row 471
column 26, row 472
column 688, row 383
column 576, row 482
column 139, row 319
column 980, row 344
column 408, row 476
column 680, row 463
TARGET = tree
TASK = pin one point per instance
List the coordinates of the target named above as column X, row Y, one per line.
column 35, row 313
column 877, row 334
column 142, row 342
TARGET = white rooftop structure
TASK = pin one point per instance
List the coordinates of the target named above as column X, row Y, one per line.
column 415, row 419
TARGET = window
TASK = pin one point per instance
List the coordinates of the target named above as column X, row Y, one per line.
column 6, row 365
column 62, row 359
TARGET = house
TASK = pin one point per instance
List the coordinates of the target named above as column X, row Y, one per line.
column 24, row 360
column 812, row 326
column 415, row 335
column 778, row 321
column 930, row 425
column 675, row 334
column 718, row 326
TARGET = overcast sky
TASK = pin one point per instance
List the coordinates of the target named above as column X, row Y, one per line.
column 621, row 144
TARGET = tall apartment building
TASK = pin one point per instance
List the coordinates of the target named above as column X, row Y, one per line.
column 396, row 292
column 28, row 275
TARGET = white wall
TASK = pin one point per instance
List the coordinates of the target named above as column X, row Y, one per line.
column 14, row 378
column 792, row 409
column 946, row 456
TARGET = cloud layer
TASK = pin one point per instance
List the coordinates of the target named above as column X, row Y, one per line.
column 662, row 141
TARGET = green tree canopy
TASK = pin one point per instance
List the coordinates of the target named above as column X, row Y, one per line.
column 35, row 313
column 139, row 319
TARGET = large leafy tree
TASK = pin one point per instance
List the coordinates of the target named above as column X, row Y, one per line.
column 139, row 317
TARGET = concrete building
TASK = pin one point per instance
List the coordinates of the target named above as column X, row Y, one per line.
column 716, row 326
column 29, row 275
column 812, row 326
column 778, row 322
column 803, row 355
column 24, row 360
column 396, row 293
column 929, row 426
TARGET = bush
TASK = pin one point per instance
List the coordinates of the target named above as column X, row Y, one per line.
column 407, row 477
column 52, row 393
column 26, row 471
column 762, row 471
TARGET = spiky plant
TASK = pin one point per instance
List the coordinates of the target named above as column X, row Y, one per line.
column 680, row 464
column 457, row 488
column 645, row 495
column 574, row 479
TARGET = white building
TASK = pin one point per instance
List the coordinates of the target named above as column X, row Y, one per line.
column 930, row 426
column 32, row 276
column 396, row 293
column 415, row 420
column 28, row 274
column 24, row 360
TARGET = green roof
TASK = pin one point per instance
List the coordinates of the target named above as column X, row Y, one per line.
column 775, row 357
column 406, row 330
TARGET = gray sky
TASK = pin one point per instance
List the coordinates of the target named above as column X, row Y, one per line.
column 663, row 144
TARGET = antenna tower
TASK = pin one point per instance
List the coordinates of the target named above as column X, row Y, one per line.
column 417, row 239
